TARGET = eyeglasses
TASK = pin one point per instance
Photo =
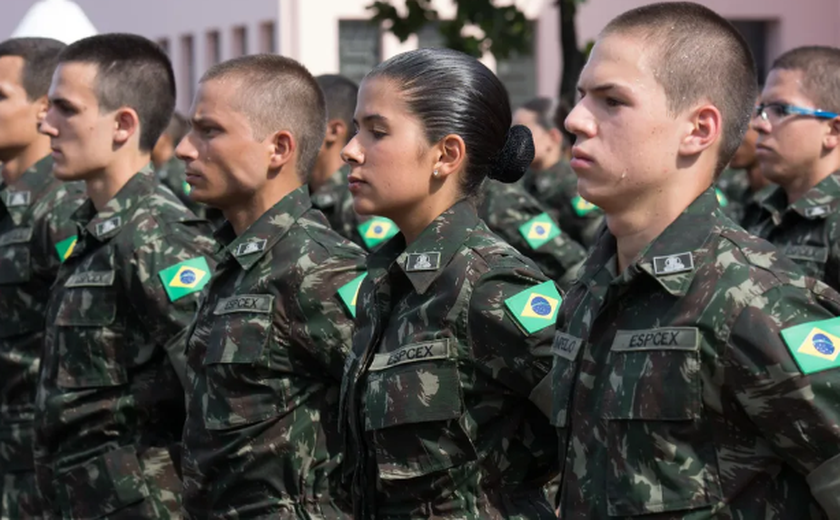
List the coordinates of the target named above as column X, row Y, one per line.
column 772, row 112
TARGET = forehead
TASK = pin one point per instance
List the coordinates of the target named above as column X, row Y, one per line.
column 74, row 81
column 220, row 100
column 381, row 96
column 11, row 69
column 621, row 58
column 784, row 85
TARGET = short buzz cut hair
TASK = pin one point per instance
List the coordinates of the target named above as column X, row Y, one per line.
column 697, row 56
column 820, row 67
column 40, row 56
column 544, row 108
column 277, row 93
column 132, row 72
column 340, row 94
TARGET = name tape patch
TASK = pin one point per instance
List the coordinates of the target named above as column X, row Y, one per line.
column 411, row 354
column 261, row 303
column 665, row 338
column 16, row 236
column 91, row 279
column 566, row 346
column 819, row 254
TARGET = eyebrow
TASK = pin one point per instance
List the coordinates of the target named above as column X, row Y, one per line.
column 61, row 101
column 602, row 88
column 372, row 118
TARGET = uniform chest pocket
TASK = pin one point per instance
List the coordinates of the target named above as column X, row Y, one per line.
column 15, row 259
column 240, row 388
column 661, row 457
column 90, row 345
column 565, row 350
column 413, row 405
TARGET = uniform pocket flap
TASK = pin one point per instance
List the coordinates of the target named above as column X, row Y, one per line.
column 238, row 337
column 87, row 306
column 103, row 485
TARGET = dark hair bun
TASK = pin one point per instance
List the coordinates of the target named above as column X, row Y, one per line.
column 515, row 157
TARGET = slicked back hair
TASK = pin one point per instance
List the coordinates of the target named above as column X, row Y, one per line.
column 340, row 94
column 820, row 67
column 40, row 56
column 697, row 56
column 277, row 93
column 132, row 72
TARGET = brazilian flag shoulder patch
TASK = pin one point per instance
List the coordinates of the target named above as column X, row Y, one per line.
column 65, row 248
column 185, row 186
column 185, row 277
column 539, row 230
column 377, row 230
column 815, row 345
column 722, row 200
column 349, row 293
column 582, row 206
column 536, row 308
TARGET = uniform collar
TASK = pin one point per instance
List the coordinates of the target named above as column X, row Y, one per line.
column 818, row 203
column 17, row 197
column 671, row 259
column 106, row 223
column 424, row 260
column 263, row 234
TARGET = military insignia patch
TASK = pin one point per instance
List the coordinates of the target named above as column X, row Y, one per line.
column 722, row 200
column 185, row 277
column 377, row 230
column 817, row 211
column 539, row 230
column 536, row 308
column 248, row 248
column 673, row 264
column 815, row 346
column 349, row 293
column 16, row 199
column 65, row 248
column 103, row 228
column 422, row 262
column 582, row 206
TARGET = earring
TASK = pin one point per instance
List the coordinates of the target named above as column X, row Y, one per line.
column 435, row 173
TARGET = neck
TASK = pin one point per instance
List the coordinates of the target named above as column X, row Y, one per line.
column 412, row 222
column 242, row 216
column 547, row 161
column 105, row 184
column 756, row 179
column 800, row 185
column 325, row 166
column 26, row 157
column 642, row 221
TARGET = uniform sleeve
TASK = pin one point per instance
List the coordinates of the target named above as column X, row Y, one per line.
column 774, row 376
column 167, row 315
column 57, row 229
column 324, row 325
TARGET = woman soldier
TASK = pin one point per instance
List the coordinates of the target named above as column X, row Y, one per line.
column 445, row 400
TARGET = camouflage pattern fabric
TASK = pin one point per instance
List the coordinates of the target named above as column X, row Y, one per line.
column 676, row 394
column 266, row 355
column 734, row 192
column 110, row 402
column 807, row 231
column 445, row 395
column 173, row 175
column 336, row 203
column 34, row 219
column 556, row 189
column 520, row 220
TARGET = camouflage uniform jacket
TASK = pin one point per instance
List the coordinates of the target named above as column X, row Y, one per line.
column 556, row 189
column 266, row 355
column 34, row 219
column 807, row 231
column 675, row 393
column 110, row 405
column 734, row 192
column 444, row 395
column 336, row 202
column 522, row 222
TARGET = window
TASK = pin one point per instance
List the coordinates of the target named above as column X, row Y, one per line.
column 187, row 79
column 164, row 44
column 240, row 41
column 268, row 38
column 755, row 32
column 359, row 48
column 214, row 48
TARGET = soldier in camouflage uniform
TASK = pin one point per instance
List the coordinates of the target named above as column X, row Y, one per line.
column 696, row 368
column 740, row 183
column 110, row 402
column 35, row 233
column 550, row 179
column 444, row 394
column 799, row 149
column 268, row 346
column 522, row 222
column 328, row 182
